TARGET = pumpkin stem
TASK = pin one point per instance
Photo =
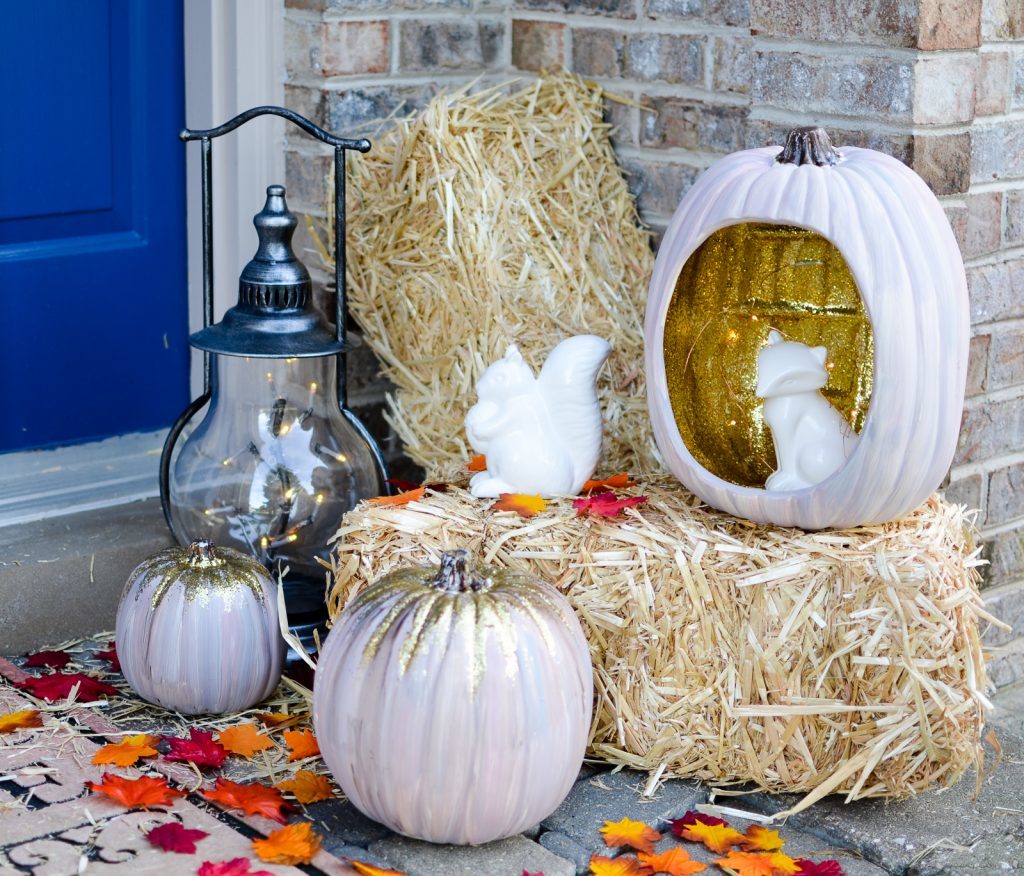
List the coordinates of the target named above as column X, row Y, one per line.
column 455, row 575
column 202, row 553
column 808, row 146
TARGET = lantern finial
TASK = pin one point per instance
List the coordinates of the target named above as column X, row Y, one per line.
column 810, row 145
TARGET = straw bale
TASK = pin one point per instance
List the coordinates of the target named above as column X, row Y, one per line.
column 489, row 218
column 817, row 662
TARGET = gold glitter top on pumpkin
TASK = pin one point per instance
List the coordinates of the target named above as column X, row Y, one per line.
column 228, row 573
column 743, row 281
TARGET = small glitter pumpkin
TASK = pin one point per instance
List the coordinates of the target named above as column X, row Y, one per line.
column 197, row 630
column 454, row 705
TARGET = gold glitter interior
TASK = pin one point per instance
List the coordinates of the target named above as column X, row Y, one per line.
column 744, row 280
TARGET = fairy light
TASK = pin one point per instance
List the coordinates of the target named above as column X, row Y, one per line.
column 830, row 365
column 732, row 336
column 320, row 497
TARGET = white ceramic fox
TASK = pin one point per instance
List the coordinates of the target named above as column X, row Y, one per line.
column 811, row 438
column 541, row 435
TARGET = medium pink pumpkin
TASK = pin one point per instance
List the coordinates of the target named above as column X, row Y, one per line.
column 454, row 705
column 197, row 630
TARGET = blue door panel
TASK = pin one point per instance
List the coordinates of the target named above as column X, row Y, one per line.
column 93, row 308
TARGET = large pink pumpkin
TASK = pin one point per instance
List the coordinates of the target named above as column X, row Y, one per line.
column 454, row 706
column 197, row 630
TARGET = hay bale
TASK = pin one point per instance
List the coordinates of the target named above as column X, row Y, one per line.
column 817, row 662
column 490, row 218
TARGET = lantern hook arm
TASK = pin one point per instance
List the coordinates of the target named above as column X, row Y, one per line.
column 313, row 130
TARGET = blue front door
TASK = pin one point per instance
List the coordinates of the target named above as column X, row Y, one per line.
column 93, row 307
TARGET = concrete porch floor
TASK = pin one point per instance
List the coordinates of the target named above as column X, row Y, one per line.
column 61, row 578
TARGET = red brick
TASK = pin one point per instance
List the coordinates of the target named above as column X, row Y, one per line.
column 1006, row 365
column 875, row 22
column 945, row 88
column 610, row 8
column 356, row 47
column 669, row 122
column 450, row 44
column 598, row 52
column 537, row 45
column 653, row 57
column 984, row 224
column 949, row 24
column 943, row 161
column 993, row 83
column 1013, row 230
column 977, row 365
column 1002, row 20
column 658, row 185
column 732, row 68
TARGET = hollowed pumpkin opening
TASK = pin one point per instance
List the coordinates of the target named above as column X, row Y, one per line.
column 743, row 281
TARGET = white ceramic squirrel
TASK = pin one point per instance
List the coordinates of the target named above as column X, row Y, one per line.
column 811, row 438
column 541, row 435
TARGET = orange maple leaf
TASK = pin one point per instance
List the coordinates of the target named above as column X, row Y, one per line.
column 292, row 844
column 252, row 799
column 477, row 463
column 364, row 869
column 307, row 787
column 615, row 482
column 301, row 744
column 127, row 751
column 753, row 864
column 717, row 837
column 522, row 504
column 140, row 793
column 400, row 499
column 624, row 865
column 244, row 740
column 627, row 832
column 675, row 861
column 761, row 839
column 19, row 720
column 277, row 719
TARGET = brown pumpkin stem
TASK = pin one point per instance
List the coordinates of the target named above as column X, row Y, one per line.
column 808, row 146
column 202, row 553
column 455, row 575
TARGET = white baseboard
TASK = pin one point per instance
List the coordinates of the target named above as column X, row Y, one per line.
column 37, row 484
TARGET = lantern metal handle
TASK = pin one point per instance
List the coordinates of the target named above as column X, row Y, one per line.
column 341, row 146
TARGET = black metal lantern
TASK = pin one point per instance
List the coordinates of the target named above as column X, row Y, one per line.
column 279, row 456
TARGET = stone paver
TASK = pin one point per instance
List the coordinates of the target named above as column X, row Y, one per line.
column 507, row 857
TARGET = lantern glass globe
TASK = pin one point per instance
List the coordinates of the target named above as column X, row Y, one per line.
column 273, row 465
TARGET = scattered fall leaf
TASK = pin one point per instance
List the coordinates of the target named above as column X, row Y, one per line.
column 477, row 463
column 400, row 499
column 624, row 865
column 292, row 844
column 110, row 656
column 174, row 837
column 523, row 504
column 692, row 817
column 252, row 798
column 525, row 873
column 755, row 864
column 60, row 684
column 830, row 867
column 615, row 482
column 127, row 751
column 49, row 659
column 762, row 839
column 276, row 719
column 364, row 869
column 234, row 867
column 717, row 837
column 307, row 787
column 634, row 834
column 140, row 793
column 675, row 861
column 244, row 740
column 301, row 744
column 199, row 749
column 21, row 720
column 605, row 505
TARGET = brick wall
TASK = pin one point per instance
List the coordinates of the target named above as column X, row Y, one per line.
column 937, row 83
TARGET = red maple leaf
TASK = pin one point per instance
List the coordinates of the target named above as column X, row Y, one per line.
column 50, row 659
column 403, row 486
column 604, row 504
column 173, row 837
column 252, row 799
column 830, row 867
column 691, row 818
column 110, row 655
column 234, row 867
column 58, row 685
column 140, row 793
column 199, row 749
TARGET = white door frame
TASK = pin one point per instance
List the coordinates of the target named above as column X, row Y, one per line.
column 234, row 59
